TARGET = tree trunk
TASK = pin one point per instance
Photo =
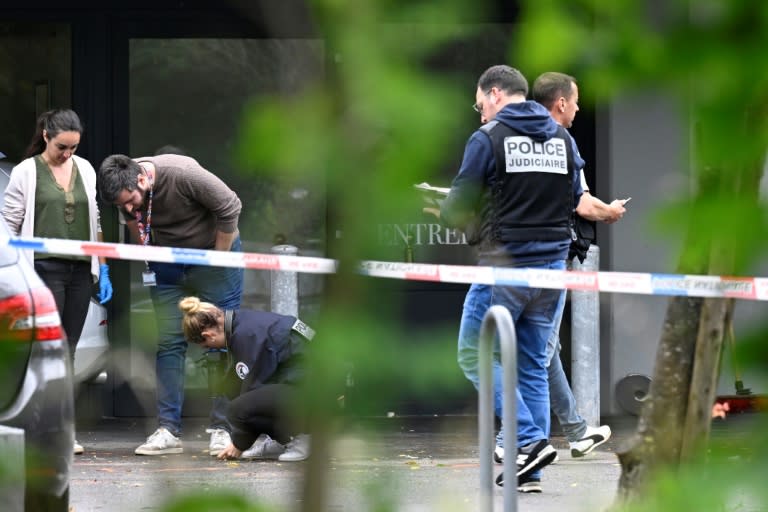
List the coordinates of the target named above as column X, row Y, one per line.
column 676, row 419
column 714, row 317
column 657, row 441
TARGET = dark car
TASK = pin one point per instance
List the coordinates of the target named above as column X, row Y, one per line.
column 36, row 392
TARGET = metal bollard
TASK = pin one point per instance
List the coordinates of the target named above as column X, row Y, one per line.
column 13, row 483
column 585, row 343
column 497, row 319
column 284, row 285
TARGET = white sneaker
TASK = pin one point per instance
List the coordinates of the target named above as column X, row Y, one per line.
column 219, row 440
column 78, row 448
column 161, row 442
column 593, row 437
column 498, row 454
column 264, row 448
column 297, row 449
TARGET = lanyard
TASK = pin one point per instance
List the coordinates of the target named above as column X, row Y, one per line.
column 144, row 230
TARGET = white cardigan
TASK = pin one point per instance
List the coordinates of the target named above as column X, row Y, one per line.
column 19, row 207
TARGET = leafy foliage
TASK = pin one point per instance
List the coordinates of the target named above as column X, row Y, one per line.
column 380, row 119
column 703, row 57
column 376, row 124
column 726, row 478
column 220, row 502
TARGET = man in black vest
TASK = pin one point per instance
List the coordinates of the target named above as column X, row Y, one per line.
column 519, row 184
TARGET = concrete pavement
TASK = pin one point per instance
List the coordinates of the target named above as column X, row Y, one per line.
column 413, row 463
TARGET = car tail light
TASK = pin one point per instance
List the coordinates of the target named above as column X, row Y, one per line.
column 34, row 318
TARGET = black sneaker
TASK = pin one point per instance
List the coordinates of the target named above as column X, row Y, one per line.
column 526, row 484
column 533, row 457
column 529, row 484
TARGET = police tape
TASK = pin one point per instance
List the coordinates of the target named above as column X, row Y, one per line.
column 748, row 288
column 176, row 255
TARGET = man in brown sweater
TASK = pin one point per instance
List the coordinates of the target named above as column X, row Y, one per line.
column 170, row 200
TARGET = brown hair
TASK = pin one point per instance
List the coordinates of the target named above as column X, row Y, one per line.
column 551, row 86
column 505, row 78
column 53, row 123
column 198, row 316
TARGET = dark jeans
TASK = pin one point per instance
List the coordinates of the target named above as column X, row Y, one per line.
column 222, row 286
column 260, row 411
column 70, row 282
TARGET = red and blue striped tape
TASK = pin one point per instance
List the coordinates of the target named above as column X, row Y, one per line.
column 748, row 288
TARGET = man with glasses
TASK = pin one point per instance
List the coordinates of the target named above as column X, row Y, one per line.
column 514, row 195
column 558, row 92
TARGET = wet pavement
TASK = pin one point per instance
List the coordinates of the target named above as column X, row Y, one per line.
column 412, row 463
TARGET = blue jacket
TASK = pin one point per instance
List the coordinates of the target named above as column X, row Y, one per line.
column 263, row 348
column 468, row 199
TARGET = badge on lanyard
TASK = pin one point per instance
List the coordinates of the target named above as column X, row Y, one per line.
column 148, row 278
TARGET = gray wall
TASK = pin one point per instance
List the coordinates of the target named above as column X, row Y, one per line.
column 642, row 152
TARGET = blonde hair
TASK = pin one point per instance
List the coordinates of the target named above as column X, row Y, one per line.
column 198, row 316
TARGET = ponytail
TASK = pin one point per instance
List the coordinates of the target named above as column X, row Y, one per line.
column 53, row 123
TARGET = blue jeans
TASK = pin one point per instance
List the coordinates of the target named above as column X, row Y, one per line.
column 222, row 286
column 561, row 397
column 476, row 304
column 534, row 313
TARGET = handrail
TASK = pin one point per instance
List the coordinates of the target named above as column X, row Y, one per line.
column 497, row 320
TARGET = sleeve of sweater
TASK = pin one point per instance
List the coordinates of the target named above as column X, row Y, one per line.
column 15, row 205
column 211, row 192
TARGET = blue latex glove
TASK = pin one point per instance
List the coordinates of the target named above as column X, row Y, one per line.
column 105, row 285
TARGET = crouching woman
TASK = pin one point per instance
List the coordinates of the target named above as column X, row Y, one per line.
column 265, row 354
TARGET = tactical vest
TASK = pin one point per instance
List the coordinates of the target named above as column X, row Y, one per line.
column 532, row 198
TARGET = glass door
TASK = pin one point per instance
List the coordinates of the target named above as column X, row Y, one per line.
column 190, row 94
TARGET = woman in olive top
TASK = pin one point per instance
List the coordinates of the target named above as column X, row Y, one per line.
column 52, row 194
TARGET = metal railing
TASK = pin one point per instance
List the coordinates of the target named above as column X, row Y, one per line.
column 497, row 320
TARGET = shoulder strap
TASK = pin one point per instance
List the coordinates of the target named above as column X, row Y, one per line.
column 228, row 323
column 487, row 127
column 568, row 138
